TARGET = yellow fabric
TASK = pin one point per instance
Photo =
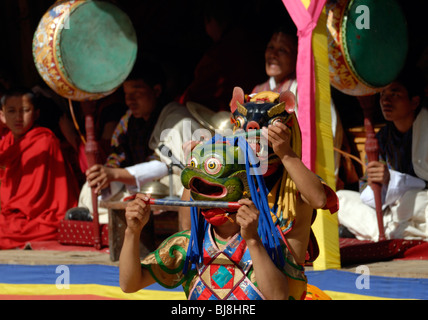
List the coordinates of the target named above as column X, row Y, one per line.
column 306, row 3
column 326, row 225
column 287, row 197
column 335, row 295
column 265, row 95
column 297, row 289
column 88, row 289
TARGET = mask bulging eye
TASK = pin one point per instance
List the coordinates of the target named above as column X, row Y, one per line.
column 212, row 165
column 239, row 122
column 193, row 162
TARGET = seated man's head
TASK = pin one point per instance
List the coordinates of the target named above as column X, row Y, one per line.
column 19, row 111
column 281, row 55
column 143, row 88
column 402, row 99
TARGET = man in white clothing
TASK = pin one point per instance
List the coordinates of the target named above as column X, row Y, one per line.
column 135, row 159
column 402, row 169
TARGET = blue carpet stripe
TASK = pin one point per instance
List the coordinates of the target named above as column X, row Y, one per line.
column 78, row 274
column 384, row 287
column 331, row 280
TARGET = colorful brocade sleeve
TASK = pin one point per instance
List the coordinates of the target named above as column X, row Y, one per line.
column 117, row 155
column 295, row 273
column 167, row 261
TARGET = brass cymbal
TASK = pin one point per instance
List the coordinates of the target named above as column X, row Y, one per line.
column 156, row 189
column 209, row 119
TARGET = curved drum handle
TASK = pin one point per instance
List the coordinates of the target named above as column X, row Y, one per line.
column 93, row 157
column 372, row 151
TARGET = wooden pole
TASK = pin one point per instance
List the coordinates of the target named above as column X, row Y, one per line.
column 372, row 150
column 92, row 156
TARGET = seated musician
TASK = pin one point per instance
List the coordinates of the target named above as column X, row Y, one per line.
column 135, row 159
column 402, row 169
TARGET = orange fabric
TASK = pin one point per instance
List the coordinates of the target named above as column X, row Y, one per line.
column 314, row 293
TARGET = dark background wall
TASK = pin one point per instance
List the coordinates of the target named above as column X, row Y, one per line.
column 171, row 30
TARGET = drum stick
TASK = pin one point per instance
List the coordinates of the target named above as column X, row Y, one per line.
column 198, row 203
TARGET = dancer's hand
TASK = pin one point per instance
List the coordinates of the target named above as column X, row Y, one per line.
column 137, row 213
column 248, row 218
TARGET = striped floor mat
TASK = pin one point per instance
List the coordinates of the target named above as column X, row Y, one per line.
column 99, row 282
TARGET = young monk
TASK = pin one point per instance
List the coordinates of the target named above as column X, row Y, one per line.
column 35, row 187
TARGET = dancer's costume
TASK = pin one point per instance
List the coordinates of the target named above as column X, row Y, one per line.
column 209, row 270
column 225, row 273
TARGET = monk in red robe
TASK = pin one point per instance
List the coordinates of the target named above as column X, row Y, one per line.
column 36, row 188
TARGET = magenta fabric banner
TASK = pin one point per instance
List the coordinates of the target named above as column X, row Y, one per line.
column 306, row 21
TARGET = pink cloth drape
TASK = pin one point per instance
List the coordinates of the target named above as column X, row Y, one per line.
column 306, row 21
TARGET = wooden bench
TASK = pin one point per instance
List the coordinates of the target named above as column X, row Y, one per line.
column 358, row 135
column 163, row 223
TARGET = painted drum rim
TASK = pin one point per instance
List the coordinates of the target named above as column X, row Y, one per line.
column 337, row 56
column 56, row 46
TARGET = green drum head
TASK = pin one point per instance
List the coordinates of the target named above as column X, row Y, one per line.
column 376, row 40
column 98, row 47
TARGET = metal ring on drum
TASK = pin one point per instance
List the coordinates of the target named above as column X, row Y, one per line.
column 367, row 44
column 84, row 50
